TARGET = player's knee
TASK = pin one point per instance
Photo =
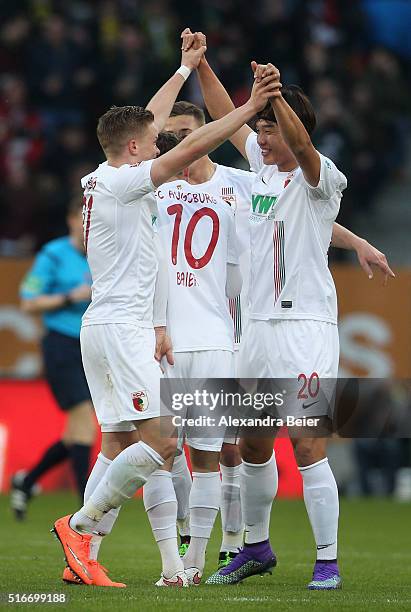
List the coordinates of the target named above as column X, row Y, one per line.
column 230, row 455
column 167, row 448
column 204, row 461
column 253, row 450
column 308, row 451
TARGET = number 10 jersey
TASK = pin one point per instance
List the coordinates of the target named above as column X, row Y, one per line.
column 197, row 231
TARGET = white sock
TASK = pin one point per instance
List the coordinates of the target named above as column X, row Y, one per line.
column 205, row 500
column 184, row 525
column 231, row 515
column 103, row 527
column 106, row 524
column 321, row 501
column 258, row 487
column 126, row 474
column 161, row 507
column 182, row 486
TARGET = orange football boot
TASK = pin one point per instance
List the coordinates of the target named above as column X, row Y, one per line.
column 70, row 577
column 100, row 578
column 99, row 574
column 76, row 549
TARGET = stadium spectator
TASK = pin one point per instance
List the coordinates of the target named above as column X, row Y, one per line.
column 21, row 141
column 71, row 61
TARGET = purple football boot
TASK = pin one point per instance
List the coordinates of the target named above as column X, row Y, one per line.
column 326, row 576
column 253, row 559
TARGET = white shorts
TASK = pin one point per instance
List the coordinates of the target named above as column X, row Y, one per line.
column 201, row 365
column 122, row 374
column 303, row 351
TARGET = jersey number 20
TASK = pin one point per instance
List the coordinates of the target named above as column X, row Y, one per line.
column 193, row 262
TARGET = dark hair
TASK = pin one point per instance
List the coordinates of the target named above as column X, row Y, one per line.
column 187, row 108
column 167, row 141
column 299, row 102
column 120, row 123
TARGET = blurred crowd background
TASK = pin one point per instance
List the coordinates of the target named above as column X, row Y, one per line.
column 64, row 63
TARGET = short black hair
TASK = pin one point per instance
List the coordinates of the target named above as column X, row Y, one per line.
column 299, row 102
column 167, row 141
column 188, row 108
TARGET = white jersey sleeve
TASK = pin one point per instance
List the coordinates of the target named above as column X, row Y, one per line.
column 132, row 182
column 331, row 182
column 232, row 243
column 253, row 152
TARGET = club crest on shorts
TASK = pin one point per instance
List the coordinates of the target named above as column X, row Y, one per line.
column 140, row 400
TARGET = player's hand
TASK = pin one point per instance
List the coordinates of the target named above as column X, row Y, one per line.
column 262, row 70
column 190, row 39
column 369, row 256
column 82, row 293
column 268, row 87
column 187, row 39
column 164, row 346
column 192, row 50
column 200, row 40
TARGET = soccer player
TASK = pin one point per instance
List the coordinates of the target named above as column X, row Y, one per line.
column 293, row 312
column 234, row 187
column 117, row 336
column 225, row 184
column 198, row 235
column 58, row 287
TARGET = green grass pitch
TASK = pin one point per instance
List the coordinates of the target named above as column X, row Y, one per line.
column 375, row 560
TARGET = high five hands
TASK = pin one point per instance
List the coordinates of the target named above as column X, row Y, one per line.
column 192, row 49
column 266, row 76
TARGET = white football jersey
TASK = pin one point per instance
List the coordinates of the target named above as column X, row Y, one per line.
column 119, row 205
column 198, row 233
column 234, row 186
column 291, row 227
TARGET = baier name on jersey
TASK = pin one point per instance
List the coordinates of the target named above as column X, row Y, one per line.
column 186, row 279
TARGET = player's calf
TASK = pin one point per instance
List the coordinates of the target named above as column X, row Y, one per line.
column 161, row 507
column 204, row 505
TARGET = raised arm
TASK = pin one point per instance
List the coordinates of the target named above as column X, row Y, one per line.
column 162, row 102
column 298, row 140
column 210, row 136
column 292, row 130
column 219, row 103
column 367, row 254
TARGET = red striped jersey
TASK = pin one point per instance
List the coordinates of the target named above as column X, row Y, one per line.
column 290, row 233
